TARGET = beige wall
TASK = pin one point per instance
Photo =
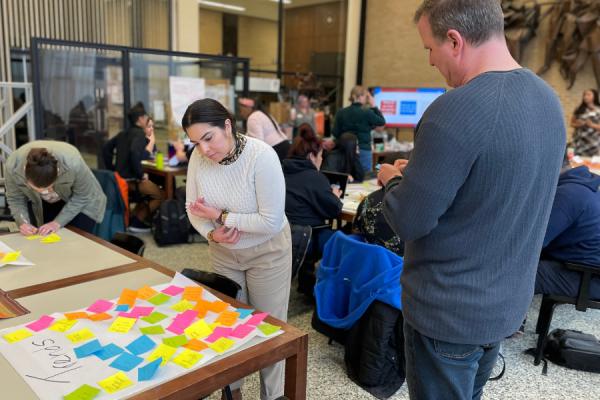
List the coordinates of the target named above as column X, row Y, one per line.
column 186, row 23
column 257, row 40
column 211, row 32
column 394, row 55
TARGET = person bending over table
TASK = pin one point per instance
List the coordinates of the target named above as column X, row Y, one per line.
column 262, row 126
column 309, row 198
column 359, row 121
column 49, row 184
column 235, row 199
column 345, row 158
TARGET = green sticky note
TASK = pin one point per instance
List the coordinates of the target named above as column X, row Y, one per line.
column 154, row 317
column 268, row 329
column 153, row 330
column 176, row 341
column 159, row 299
column 85, row 392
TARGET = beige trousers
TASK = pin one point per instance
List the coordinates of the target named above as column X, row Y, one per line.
column 264, row 272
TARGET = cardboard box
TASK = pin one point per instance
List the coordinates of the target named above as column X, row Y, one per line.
column 280, row 111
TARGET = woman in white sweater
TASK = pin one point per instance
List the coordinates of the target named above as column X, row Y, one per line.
column 260, row 125
column 236, row 199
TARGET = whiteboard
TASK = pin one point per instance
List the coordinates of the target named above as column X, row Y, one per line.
column 183, row 92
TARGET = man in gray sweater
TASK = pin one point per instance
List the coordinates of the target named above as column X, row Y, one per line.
column 474, row 200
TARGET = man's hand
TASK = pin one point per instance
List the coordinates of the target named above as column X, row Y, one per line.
column 145, row 177
column 400, row 164
column 50, row 227
column 337, row 192
column 27, row 230
column 387, row 172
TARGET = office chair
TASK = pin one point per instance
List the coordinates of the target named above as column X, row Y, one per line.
column 129, row 242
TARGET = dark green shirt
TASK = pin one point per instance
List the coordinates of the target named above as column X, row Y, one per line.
column 358, row 121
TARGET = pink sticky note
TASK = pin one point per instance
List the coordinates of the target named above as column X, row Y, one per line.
column 128, row 315
column 256, row 319
column 100, row 306
column 241, row 331
column 175, row 329
column 40, row 324
column 218, row 333
column 173, row 290
column 141, row 311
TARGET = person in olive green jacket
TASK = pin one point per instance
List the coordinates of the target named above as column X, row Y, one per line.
column 360, row 121
column 49, row 185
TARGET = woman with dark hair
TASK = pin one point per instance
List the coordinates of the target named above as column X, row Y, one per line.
column 344, row 158
column 260, row 125
column 309, row 198
column 150, row 149
column 586, row 121
column 48, row 185
column 235, row 198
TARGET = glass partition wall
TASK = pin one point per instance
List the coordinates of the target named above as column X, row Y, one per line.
column 83, row 97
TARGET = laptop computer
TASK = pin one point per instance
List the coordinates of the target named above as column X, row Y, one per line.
column 336, row 178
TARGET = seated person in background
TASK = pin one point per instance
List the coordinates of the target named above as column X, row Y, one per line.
column 344, row 158
column 309, row 198
column 573, row 234
column 49, row 185
column 150, row 150
column 182, row 153
column 370, row 222
column 130, row 146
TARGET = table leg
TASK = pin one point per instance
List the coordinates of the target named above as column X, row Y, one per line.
column 295, row 376
column 169, row 187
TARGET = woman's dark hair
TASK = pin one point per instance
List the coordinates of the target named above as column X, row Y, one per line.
column 582, row 107
column 306, row 143
column 346, row 146
column 207, row 111
column 41, row 168
column 136, row 112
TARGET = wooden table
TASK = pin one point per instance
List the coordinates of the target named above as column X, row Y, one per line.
column 66, row 295
column 347, row 216
column 168, row 174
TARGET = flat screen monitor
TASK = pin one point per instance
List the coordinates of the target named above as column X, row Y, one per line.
column 403, row 107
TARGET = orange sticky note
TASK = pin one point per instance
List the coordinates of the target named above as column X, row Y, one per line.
column 228, row 318
column 99, row 317
column 202, row 306
column 128, row 297
column 76, row 315
column 218, row 306
column 146, row 292
column 196, row 345
column 1, row 256
column 192, row 293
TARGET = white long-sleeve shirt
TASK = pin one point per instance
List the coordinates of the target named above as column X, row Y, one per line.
column 261, row 127
column 252, row 189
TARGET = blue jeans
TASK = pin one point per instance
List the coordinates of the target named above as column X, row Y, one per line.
column 366, row 159
column 443, row 370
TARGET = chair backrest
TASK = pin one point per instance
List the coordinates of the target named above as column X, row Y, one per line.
column 300, row 240
column 129, row 242
column 214, row 281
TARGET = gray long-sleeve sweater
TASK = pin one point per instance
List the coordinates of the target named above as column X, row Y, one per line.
column 474, row 204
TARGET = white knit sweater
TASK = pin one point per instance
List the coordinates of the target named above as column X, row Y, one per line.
column 252, row 189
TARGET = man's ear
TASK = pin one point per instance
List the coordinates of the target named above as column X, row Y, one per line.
column 457, row 41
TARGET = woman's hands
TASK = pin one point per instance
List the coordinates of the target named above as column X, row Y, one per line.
column 199, row 209
column 371, row 99
column 222, row 236
column 50, row 227
column 27, row 230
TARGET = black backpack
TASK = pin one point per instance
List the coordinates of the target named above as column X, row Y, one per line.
column 171, row 224
column 572, row 349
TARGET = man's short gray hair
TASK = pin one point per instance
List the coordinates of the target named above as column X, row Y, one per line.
column 476, row 20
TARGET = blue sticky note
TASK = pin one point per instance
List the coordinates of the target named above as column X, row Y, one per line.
column 126, row 362
column 108, row 351
column 377, row 167
column 146, row 372
column 122, row 307
column 87, row 349
column 140, row 345
column 243, row 312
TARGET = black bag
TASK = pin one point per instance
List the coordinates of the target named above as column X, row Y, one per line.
column 171, row 224
column 573, row 349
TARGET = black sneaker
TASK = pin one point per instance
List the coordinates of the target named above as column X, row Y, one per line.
column 135, row 225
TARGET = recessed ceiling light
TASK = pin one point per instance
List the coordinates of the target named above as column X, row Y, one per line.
column 221, row 5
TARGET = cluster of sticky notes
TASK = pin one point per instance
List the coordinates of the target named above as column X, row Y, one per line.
column 10, row 257
column 53, row 238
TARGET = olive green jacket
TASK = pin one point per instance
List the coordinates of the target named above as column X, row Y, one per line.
column 75, row 184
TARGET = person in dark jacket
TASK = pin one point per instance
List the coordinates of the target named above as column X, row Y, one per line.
column 344, row 158
column 130, row 147
column 360, row 121
column 309, row 198
column 573, row 234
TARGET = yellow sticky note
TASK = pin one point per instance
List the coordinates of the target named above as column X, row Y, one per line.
column 188, row 358
column 198, row 330
column 80, row 335
column 213, row 326
column 182, row 306
column 122, row 325
column 33, row 237
column 51, row 238
column 10, row 257
column 18, row 335
column 146, row 292
column 62, row 325
column 164, row 351
column 221, row 344
column 115, row 383
column 228, row 318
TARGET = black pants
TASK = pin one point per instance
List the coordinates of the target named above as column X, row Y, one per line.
column 282, row 149
column 51, row 211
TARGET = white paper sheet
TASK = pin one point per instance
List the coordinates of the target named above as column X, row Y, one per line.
column 47, row 361
column 183, row 92
column 21, row 260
